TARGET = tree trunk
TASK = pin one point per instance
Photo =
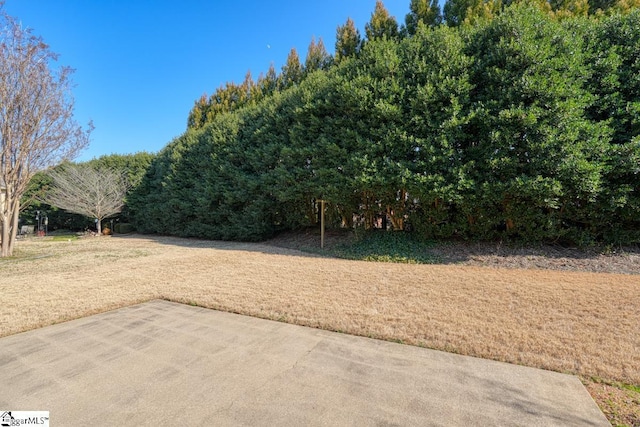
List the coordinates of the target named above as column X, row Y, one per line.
column 396, row 212
column 9, row 227
column 99, row 227
column 397, row 221
column 312, row 211
column 4, row 241
column 14, row 226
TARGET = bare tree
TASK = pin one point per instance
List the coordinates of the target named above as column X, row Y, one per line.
column 93, row 192
column 37, row 129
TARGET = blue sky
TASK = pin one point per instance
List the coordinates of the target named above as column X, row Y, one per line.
column 140, row 64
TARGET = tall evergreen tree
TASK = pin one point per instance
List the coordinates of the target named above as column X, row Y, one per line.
column 348, row 40
column 292, row 71
column 226, row 98
column 425, row 11
column 197, row 115
column 317, row 57
column 535, row 155
column 248, row 87
column 615, row 80
column 455, row 11
column 269, row 82
column 381, row 24
column 600, row 5
column 568, row 8
column 626, row 6
column 436, row 78
column 485, row 10
column 524, row 125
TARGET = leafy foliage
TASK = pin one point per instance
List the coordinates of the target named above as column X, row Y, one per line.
column 387, row 247
column 422, row 12
column 317, row 57
column 348, row 41
column 519, row 124
column 292, row 70
column 381, row 25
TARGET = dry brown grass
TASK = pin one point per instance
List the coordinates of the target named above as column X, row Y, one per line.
column 575, row 322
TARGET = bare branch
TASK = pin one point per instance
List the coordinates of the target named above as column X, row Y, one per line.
column 92, row 192
column 37, row 129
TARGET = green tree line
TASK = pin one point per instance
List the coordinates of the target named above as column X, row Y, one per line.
column 522, row 123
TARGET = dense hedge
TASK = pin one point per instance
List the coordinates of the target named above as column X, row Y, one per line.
column 523, row 126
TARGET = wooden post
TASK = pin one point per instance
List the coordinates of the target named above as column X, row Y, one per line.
column 322, row 224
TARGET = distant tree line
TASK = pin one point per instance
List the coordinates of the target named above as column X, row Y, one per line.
column 519, row 120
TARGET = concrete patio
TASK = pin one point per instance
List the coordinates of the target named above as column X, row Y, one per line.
column 162, row 363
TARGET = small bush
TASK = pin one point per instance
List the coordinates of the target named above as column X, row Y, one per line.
column 388, row 246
